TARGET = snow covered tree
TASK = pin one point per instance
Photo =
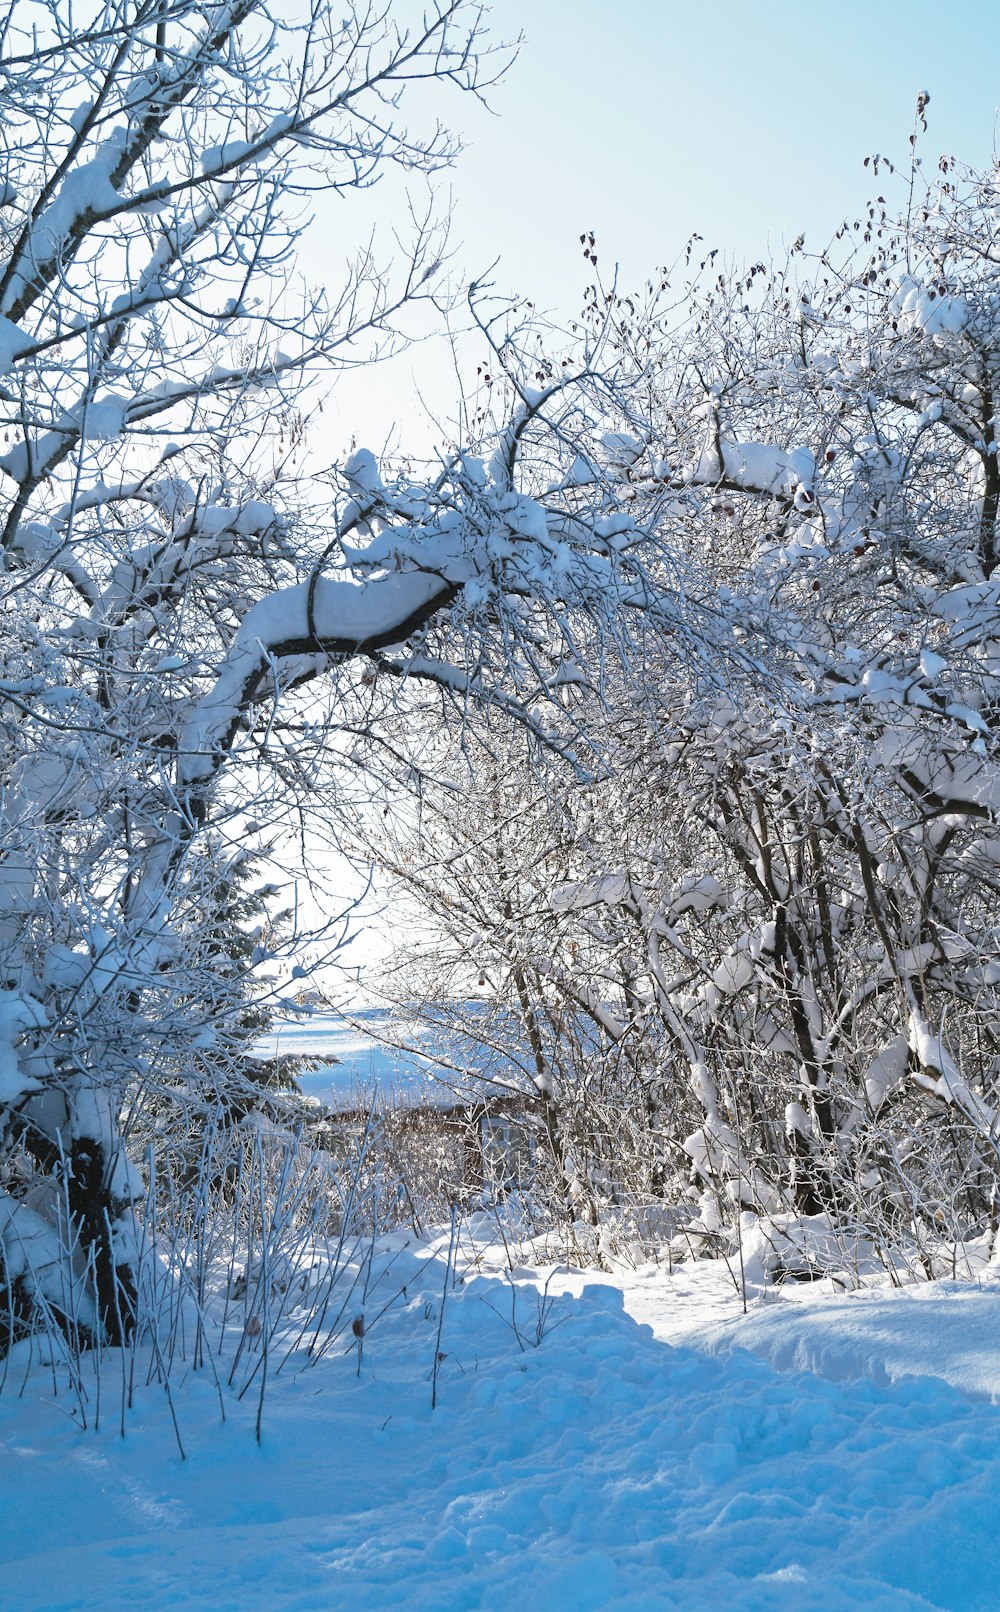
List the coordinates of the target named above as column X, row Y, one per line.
column 188, row 620
column 855, row 819
column 154, row 159
column 799, row 867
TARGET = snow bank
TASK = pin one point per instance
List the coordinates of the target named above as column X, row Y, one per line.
column 942, row 1330
column 575, row 1461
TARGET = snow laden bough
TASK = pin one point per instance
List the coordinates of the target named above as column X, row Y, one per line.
column 777, row 912
column 166, row 606
column 164, row 600
column 505, row 572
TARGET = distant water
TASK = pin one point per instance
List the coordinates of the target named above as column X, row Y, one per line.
column 359, row 1066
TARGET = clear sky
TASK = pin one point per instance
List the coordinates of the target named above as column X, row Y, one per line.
column 645, row 120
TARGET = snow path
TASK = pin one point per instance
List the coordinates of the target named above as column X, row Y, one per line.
column 603, row 1468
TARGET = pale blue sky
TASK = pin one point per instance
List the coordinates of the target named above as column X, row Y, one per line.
column 645, row 120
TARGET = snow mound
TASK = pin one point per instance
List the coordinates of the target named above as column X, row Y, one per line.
column 941, row 1330
column 575, row 1459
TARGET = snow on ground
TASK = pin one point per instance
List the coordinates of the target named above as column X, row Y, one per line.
column 937, row 1329
column 944, row 1329
column 582, row 1455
